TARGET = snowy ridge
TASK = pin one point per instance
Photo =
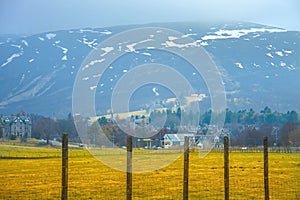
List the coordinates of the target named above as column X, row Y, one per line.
column 229, row 34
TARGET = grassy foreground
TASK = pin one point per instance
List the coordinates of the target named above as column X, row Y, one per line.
column 37, row 175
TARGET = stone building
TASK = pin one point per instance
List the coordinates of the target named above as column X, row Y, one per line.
column 16, row 126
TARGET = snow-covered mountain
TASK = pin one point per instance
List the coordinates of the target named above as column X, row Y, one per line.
column 260, row 66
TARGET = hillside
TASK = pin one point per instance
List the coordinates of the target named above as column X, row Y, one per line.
column 260, row 66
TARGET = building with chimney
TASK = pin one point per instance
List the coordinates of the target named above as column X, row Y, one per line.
column 16, row 126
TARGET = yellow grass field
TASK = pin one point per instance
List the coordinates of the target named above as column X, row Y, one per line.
column 38, row 176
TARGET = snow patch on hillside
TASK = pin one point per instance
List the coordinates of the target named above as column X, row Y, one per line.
column 171, row 43
column 287, row 52
column 282, row 64
column 93, row 87
column 64, row 57
column 88, row 43
column 25, row 42
column 155, row 91
column 229, row 34
column 106, row 50
column 291, row 67
column 131, row 47
column 17, row 46
column 146, row 54
column 188, row 35
column 50, row 35
column 93, row 62
column 88, row 30
column 65, row 50
column 172, row 38
column 239, row 65
column 279, row 53
column 203, row 44
column 11, row 58
column 106, row 32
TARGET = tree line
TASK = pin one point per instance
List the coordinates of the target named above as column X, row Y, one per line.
column 247, row 127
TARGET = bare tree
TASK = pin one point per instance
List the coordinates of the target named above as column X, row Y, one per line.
column 44, row 128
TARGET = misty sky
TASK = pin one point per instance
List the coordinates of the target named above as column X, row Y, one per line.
column 34, row 16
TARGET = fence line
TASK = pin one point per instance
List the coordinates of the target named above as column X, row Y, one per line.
column 186, row 168
column 245, row 178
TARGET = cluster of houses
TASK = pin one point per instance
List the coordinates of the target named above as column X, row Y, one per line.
column 196, row 139
column 16, row 126
column 213, row 136
column 176, row 140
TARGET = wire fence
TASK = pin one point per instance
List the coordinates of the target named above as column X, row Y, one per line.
column 37, row 174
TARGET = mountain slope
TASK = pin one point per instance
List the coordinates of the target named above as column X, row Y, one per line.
column 260, row 67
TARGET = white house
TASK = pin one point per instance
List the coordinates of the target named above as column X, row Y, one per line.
column 173, row 140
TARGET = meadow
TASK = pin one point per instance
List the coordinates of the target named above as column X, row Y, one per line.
column 28, row 172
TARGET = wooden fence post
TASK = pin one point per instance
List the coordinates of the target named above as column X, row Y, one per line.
column 129, row 168
column 64, row 181
column 226, row 168
column 186, row 168
column 266, row 168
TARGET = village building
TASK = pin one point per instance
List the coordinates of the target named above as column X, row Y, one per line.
column 173, row 140
column 16, row 126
